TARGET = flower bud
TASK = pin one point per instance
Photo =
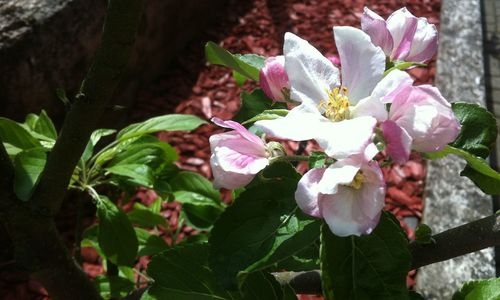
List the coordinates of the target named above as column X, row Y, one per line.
column 236, row 155
column 273, row 78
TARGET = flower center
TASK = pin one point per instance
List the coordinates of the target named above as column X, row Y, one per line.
column 337, row 106
column 358, row 180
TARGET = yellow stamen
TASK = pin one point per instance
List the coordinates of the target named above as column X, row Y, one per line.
column 358, row 180
column 337, row 106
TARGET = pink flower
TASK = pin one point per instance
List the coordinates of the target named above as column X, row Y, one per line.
column 349, row 195
column 402, row 36
column 335, row 59
column 236, row 155
column 273, row 78
column 420, row 119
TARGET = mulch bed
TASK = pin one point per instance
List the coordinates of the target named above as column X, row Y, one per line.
column 191, row 86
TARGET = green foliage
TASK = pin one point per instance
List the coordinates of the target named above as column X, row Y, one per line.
column 317, row 160
column 16, row 135
column 479, row 131
column 479, row 290
column 94, row 139
column 252, row 233
column 143, row 216
column 117, row 238
column 401, row 65
column 423, row 234
column 173, row 122
column 42, row 125
column 182, row 273
column 367, row 267
column 113, row 286
column 263, row 286
column 257, row 106
column 28, row 165
column 149, row 244
column 247, row 65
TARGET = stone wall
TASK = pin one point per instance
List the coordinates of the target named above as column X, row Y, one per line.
column 49, row 44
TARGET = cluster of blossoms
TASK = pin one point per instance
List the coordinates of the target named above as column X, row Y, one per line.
column 346, row 112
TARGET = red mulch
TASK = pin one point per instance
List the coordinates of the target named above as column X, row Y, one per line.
column 191, row 86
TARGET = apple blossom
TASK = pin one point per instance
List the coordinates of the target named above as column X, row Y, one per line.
column 348, row 194
column 403, row 36
column 236, row 155
column 274, row 80
column 420, row 119
column 340, row 116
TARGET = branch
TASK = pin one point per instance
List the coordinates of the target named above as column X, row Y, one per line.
column 100, row 82
column 468, row 238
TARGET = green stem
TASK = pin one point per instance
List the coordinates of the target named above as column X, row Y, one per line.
column 291, row 158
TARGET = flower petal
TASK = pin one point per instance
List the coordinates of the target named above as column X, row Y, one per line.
column 341, row 172
column 303, row 122
column 311, row 74
column 370, row 106
column 398, row 142
column 239, row 128
column 402, row 25
column 228, row 180
column 346, row 138
column 425, row 42
column 375, row 26
column 385, row 89
column 363, row 63
column 307, row 192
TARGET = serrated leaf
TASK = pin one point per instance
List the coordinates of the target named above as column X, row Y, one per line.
column 28, row 165
column 479, row 290
column 257, row 103
column 368, row 267
column 246, row 65
column 14, row 134
column 182, row 273
column 247, row 230
column 479, row 131
column 117, row 237
column 173, row 122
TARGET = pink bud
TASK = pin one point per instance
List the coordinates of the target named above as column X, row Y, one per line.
column 273, row 78
column 335, row 59
column 236, row 155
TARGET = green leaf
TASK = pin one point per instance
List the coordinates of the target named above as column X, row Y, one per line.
column 368, row 267
column 256, row 103
column 28, row 165
column 240, row 79
column 479, row 290
column 402, row 65
column 14, row 134
column 304, row 260
column 262, row 286
column 141, row 175
column 90, row 239
column 247, row 65
column 149, row 244
column 94, row 139
column 196, row 183
column 477, row 169
column 116, row 237
column 173, row 122
column 146, row 150
column 113, row 286
column 45, row 126
column 479, row 131
column 182, row 273
column 142, row 216
column 423, row 234
column 317, row 160
column 247, row 231
column 200, row 212
column 269, row 114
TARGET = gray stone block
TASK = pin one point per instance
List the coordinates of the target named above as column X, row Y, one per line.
column 452, row 200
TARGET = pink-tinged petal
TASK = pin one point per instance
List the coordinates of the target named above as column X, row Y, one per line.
column 398, row 142
column 370, row 106
column 402, row 26
column 363, row 63
column 384, row 90
column 335, row 59
column 228, row 180
column 239, row 128
column 341, row 172
column 425, row 42
column 311, row 74
column 373, row 190
column 273, row 78
column 307, row 192
column 302, row 123
column 346, row 138
column 426, row 116
column 375, row 26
